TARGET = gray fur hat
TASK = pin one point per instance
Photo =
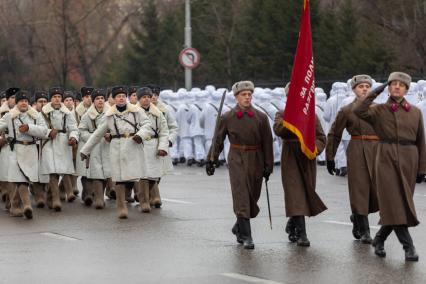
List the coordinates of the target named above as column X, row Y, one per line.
column 400, row 76
column 242, row 86
column 360, row 79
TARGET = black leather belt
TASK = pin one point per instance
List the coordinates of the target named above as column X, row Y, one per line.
column 400, row 142
column 125, row 135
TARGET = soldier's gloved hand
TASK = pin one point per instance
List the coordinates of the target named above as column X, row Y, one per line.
column 331, row 167
column 72, row 141
column 170, row 144
column 2, row 142
column 266, row 174
column 161, row 153
column 420, row 178
column 137, row 139
column 210, row 168
column 108, row 137
column 23, row 128
column 53, row 134
column 84, row 156
column 377, row 91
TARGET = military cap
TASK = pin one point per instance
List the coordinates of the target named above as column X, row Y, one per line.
column 400, row 76
column 22, row 95
column 55, row 91
column 144, row 91
column 155, row 89
column 133, row 89
column 78, row 97
column 11, row 92
column 69, row 94
column 2, row 95
column 41, row 95
column 360, row 79
column 242, row 86
column 86, row 91
column 118, row 90
column 98, row 93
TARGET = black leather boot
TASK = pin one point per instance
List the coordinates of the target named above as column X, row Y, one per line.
column 355, row 227
column 236, row 232
column 290, row 229
column 245, row 233
column 379, row 240
column 407, row 243
column 302, row 238
column 182, row 160
column 364, row 229
column 190, row 162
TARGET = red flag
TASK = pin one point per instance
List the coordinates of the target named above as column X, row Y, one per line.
column 299, row 113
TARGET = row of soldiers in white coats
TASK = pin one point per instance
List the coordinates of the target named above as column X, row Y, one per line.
column 110, row 143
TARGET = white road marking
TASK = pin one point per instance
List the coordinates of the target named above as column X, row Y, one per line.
column 59, row 236
column 250, row 279
column 176, row 201
column 346, row 224
column 422, row 195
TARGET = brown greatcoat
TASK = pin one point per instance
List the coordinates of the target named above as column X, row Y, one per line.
column 245, row 167
column 298, row 172
column 360, row 156
column 397, row 163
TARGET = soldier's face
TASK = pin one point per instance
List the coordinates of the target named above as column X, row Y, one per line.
column 154, row 98
column 40, row 104
column 244, row 98
column 87, row 100
column 11, row 101
column 2, row 101
column 397, row 89
column 99, row 102
column 362, row 89
column 120, row 99
column 69, row 103
column 145, row 101
column 133, row 99
column 22, row 105
column 56, row 100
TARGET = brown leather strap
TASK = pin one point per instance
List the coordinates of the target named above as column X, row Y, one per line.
column 245, row 147
column 365, row 137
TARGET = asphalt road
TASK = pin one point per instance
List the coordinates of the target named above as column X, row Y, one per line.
column 189, row 240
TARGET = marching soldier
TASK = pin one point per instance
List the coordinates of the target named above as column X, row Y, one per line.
column 400, row 160
column 39, row 188
column 154, row 195
column 360, row 159
column 299, row 181
column 126, row 126
column 158, row 162
column 250, row 157
column 6, row 187
column 98, row 170
column 57, row 151
column 24, row 125
column 80, row 167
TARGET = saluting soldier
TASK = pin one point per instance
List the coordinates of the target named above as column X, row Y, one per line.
column 158, row 162
column 250, row 157
column 6, row 187
column 400, row 160
column 24, row 125
column 99, row 166
column 126, row 126
column 154, row 195
column 57, row 151
column 299, row 181
column 360, row 159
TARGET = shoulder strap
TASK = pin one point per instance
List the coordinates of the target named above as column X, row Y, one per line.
column 214, row 107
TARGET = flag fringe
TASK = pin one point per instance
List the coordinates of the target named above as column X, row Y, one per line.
column 305, row 150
